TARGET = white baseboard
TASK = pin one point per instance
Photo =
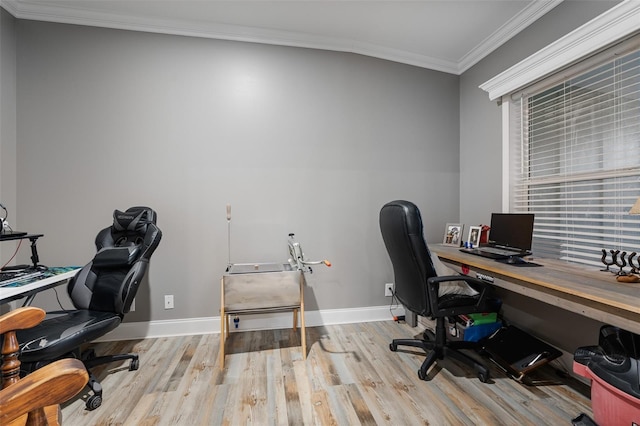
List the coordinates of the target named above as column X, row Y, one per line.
column 209, row 325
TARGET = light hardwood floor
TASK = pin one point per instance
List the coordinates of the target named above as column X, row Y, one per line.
column 350, row 377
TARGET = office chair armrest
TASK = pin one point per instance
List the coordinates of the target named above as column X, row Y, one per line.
column 481, row 299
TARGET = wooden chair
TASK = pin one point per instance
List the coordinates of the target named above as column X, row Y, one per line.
column 34, row 399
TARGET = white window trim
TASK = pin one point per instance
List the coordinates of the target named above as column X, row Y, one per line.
column 612, row 26
column 506, row 177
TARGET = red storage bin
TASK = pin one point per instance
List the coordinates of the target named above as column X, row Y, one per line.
column 610, row 405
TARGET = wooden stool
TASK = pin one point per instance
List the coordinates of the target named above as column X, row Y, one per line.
column 261, row 293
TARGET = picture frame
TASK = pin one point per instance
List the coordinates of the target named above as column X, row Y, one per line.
column 453, row 234
column 473, row 237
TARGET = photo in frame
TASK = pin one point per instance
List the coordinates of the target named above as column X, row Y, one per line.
column 453, row 234
column 474, row 235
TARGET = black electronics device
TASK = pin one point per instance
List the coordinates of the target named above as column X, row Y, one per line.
column 518, row 352
column 512, row 230
column 511, row 234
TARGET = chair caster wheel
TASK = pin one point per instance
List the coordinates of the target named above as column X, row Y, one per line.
column 429, row 336
column 421, row 375
column 393, row 347
column 484, row 377
column 135, row 363
column 94, row 402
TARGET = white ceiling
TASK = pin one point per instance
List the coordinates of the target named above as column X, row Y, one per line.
column 445, row 35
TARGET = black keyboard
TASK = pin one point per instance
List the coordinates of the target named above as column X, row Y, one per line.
column 10, row 277
column 483, row 253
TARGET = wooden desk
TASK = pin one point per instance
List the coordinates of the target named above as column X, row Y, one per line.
column 260, row 293
column 581, row 289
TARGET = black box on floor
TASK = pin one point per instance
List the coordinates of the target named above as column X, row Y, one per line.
column 518, row 352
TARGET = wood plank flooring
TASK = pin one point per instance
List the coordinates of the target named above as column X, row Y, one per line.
column 350, row 377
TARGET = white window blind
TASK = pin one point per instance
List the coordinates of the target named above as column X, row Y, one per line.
column 575, row 160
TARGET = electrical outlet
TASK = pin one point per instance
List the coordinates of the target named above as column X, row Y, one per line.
column 388, row 289
column 168, row 301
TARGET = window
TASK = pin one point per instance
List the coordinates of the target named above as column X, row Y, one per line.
column 575, row 157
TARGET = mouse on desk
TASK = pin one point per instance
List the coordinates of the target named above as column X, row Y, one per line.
column 515, row 260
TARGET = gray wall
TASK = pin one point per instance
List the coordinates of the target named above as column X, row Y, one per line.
column 296, row 140
column 481, row 168
column 7, row 119
column 481, row 120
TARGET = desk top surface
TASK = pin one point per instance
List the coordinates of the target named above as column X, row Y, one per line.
column 52, row 277
column 19, row 236
column 585, row 281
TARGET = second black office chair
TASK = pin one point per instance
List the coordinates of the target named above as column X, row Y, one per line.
column 418, row 288
column 102, row 293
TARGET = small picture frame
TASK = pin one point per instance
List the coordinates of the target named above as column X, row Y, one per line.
column 474, row 235
column 453, row 234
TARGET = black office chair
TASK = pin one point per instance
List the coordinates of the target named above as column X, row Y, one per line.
column 421, row 291
column 102, row 293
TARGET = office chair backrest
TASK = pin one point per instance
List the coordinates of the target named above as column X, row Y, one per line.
column 401, row 227
column 110, row 281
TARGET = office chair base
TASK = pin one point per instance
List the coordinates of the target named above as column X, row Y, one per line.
column 436, row 351
column 95, row 400
column 90, row 360
column 93, row 360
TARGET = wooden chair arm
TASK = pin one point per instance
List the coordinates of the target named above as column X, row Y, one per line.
column 20, row 319
column 52, row 384
column 46, row 387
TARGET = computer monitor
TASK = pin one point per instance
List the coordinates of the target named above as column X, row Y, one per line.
column 511, row 230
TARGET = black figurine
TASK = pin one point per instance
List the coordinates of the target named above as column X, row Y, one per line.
column 634, row 269
column 623, row 261
column 604, row 259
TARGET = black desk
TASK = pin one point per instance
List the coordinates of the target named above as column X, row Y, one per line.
column 31, row 237
column 8, row 237
column 51, row 277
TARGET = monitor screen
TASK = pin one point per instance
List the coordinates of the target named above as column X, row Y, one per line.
column 512, row 230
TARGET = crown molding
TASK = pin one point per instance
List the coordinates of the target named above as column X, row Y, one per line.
column 614, row 25
column 510, row 29
column 79, row 16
